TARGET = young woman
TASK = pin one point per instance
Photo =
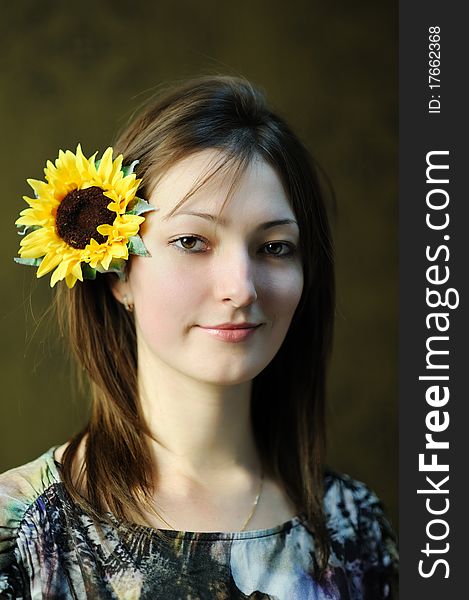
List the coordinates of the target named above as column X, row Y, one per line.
column 201, row 311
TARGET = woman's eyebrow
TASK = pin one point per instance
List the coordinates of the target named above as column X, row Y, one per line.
column 215, row 219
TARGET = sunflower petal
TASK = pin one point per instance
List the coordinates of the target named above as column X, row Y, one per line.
column 36, row 243
column 76, row 271
column 41, row 188
column 82, row 163
column 70, row 280
column 106, row 261
column 120, row 251
column 104, row 229
column 49, row 262
column 116, row 171
column 105, row 166
column 32, row 218
column 50, row 171
column 60, row 272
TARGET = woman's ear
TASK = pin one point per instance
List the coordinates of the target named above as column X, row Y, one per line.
column 121, row 292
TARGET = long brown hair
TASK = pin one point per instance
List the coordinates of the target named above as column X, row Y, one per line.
column 288, row 396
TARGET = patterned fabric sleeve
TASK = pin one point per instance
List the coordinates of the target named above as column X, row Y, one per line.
column 363, row 542
column 11, row 512
column 380, row 549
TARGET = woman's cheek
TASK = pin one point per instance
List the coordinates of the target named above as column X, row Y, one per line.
column 285, row 290
column 166, row 299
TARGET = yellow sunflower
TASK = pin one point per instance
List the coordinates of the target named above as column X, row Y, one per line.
column 84, row 218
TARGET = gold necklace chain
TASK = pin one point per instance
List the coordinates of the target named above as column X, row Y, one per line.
column 255, row 502
column 253, row 510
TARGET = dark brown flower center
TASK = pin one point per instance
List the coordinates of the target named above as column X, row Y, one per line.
column 78, row 215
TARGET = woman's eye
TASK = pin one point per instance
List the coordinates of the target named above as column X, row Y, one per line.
column 188, row 243
column 276, row 248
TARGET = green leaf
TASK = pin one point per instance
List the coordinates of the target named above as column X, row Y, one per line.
column 31, row 262
column 88, row 271
column 129, row 169
column 117, row 265
column 136, row 246
column 27, row 229
column 138, row 206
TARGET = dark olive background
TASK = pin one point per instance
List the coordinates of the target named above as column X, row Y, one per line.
column 75, row 72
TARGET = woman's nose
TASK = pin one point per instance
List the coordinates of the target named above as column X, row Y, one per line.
column 234, row 278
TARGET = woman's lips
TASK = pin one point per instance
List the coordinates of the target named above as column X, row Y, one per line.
column 231, row 335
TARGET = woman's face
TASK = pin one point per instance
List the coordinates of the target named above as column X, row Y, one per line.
column 200, row 275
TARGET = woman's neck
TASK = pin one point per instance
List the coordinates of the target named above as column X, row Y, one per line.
column 200, row 430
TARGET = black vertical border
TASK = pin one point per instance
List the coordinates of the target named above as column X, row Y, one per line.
column 421, row 132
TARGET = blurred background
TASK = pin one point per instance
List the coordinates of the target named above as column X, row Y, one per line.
column 75, row 72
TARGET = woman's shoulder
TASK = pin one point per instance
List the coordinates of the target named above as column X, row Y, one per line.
column 358, row 522
column 349, row 502
column 26, row 482
column 20, row 488
column 21, row 516
column 348, row 496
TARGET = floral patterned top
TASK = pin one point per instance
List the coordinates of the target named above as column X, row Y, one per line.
column 50, row 548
